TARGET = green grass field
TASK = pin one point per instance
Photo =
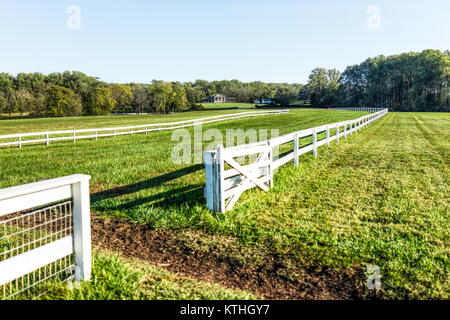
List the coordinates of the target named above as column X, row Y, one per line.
column 381, row 197
column 22, row 125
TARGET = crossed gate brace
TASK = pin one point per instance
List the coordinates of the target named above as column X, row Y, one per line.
column 248, row 174
column 246, row 177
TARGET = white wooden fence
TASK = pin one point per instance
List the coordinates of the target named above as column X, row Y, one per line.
column 357, row 109
column 19, row 139
column 224, row 186
column 52, row 243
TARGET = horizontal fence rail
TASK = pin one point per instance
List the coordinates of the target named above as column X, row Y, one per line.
column 20, row 139
column 44, row 235
column 227, row 179
column 357, row 109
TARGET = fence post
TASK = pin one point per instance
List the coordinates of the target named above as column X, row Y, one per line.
column 314, row 136
column 74, row 139
column 220, row 170
column 351, row 128
column 337, row 134
column 210, row 179
column 345, row 130
column 20, row 142
column 95, row 135
column 270, row 164
column 295, row 150
column 82, row 230
column 328, row 136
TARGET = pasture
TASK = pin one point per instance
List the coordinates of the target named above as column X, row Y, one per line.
column 379, row 198
column 21, row 125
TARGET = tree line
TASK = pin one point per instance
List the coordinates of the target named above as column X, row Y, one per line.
column 75, row 93
column 405, row 82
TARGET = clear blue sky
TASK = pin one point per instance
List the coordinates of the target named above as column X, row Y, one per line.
column 184, row 40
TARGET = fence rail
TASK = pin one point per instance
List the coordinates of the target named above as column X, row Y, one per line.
column 49, row 243
column 225, row 186
column 18, row 139
column 358, row 109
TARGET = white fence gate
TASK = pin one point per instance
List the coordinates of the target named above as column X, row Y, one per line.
column 50, row 243
column 224, row 187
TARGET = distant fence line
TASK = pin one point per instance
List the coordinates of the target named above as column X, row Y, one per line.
column 358, row 109
column 225, row 186
column 45, row 137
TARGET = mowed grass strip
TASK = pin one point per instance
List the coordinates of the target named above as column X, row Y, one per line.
column 381, row 198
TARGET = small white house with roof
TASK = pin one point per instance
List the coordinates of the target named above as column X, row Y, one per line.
column 219, row 98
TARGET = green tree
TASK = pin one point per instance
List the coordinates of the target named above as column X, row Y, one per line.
column 286, row 95
column 161, row 95
column 409, row 81
column 99, row 102
column 323, row 86
column 141, row 98
column 123, row 97
column 24, row 101
column 3, row 102
column 179, row 100
column 194, row 94
column 60, row 102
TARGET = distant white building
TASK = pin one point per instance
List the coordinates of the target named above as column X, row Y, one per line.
column 219, row 98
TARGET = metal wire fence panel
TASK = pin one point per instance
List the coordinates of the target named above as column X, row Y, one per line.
column 21, row 235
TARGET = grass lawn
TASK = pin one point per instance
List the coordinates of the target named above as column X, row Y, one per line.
column 381, row 197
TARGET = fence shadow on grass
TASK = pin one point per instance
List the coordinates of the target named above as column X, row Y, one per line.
column 174, row 196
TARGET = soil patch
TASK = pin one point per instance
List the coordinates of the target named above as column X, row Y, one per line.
column 167, row 249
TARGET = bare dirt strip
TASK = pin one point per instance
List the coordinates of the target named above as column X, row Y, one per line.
column 166, row 249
